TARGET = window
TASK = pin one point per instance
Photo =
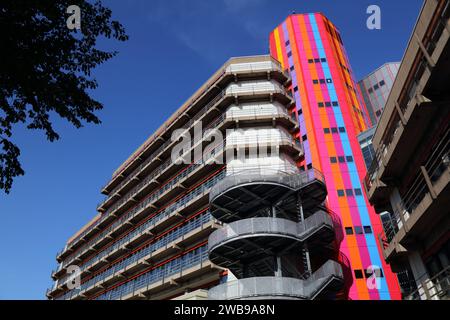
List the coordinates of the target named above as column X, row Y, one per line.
column 304, row 137
column 315, row 81
column 328, row 104
column 376, row 87
column 349, row 193
column 350, row 159
column 341, row 129
column 334, row 130
column 382, row 83
column 348, row 230
column 309, row 166
column 378, row 272
column 367, row 229
column 358, row 230
column 326, row 130
column 320, row 104
column 292, row 68
column 322, row 81
column 287, row 42
column 341, row 159
column 300, row 111
column 329, row 81
column 333, row 160
column 335, row 104
column 358, row 274
column 310, row 61
column 295, row 89
column 323, row 60
column 358, row 192
column 317, row 60
column 340, row 193
column 289, row 54
column 378, row 113
column 370, row 90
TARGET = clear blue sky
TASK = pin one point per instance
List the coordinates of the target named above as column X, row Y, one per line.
column 174, row 47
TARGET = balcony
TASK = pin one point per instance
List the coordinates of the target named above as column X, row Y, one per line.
column 436, row 288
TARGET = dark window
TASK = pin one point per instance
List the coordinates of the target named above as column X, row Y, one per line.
column 320, row 104
column 317, row 60
column 292, row 68
column 322, row 81
column 310, row 61
column 375, row 87
column 333, row 159
column 358, row 274
column 328, row 104
column 341, row 129
column 349, row 159
column 370, row 90
column 349, row 193
column 315, row 81
column 340, row 193
column 334, row 130
column 304, row 137
column 358, row 230
column 323, row 60
column 378, row 113
column 289, row 54
column 300, row 111
column 341, row 159
column 287, row 42
column 348, row 230
column 382, row 83
column 326, row 130
column 329, row 81
column 367, row 229
column 295, row 89
column 309, row 166
column 335, row 104
column 358, row 192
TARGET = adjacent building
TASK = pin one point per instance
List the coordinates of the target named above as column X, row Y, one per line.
column 331, row 115
column 410, row 175
column 375, row 90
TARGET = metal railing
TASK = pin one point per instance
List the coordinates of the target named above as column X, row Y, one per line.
column 264, row 174
column 269, row 225
column 143, row 252
column 282, row 287
column 436, row 288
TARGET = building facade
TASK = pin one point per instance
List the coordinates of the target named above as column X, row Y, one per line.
column 411, row 172
column 375, row 90
column 365, row 142
column 331, row 115
column 150, row 239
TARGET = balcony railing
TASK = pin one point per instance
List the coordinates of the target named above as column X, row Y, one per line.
column 436, row 288
column 145, row 251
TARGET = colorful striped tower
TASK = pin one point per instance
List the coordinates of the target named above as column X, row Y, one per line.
column 331, row 115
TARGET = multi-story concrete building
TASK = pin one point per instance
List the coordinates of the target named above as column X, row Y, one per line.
column 150, row 240
column 375, row 90
column 331, row 116
column 411, row 172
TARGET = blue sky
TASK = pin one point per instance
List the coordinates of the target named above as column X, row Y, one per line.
column 174, row 47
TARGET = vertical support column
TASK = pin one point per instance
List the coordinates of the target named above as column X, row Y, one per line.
column 305, row 246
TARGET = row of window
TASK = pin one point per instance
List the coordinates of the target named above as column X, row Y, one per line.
column 322, row 81
column 377, row 86
column 317, row 60
column 341, row 159
column 349, row 192
column 368, row 273
column 328, row 104
column 358, row 230
column 334, row 130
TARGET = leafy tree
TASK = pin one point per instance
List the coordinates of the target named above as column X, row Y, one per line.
column 45, row 69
